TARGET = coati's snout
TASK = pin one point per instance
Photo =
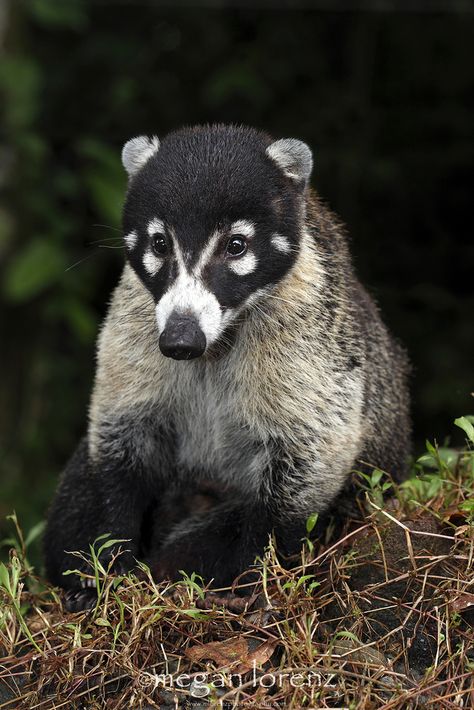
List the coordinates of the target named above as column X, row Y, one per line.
column 182, row 337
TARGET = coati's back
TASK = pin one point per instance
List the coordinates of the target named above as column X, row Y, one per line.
column 363, row 341
column 240, row 349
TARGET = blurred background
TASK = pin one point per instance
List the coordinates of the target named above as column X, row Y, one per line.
column 382, row 91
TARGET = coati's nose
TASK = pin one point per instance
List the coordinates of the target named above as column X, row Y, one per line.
column 182, row 338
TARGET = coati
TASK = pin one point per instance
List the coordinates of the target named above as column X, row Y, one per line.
column 239, row 348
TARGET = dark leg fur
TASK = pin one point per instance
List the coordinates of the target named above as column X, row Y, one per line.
column 223, row 543
column 73, row 520
column 88, row 504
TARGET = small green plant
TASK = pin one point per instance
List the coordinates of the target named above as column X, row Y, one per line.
column 442, row 471
column 10, row 582
column 93, row 561
column 467, row 424
column 467, row 506
column 310, row 525
column 302, row 581
column 192, row 584
column 374, row 486
column 22, row 544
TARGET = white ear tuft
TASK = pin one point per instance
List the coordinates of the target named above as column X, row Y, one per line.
column 138, row 151
column 293, row 156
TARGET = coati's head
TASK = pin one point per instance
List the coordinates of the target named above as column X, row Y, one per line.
column 212, row 220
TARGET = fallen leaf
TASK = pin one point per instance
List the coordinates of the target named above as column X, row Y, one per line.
column 258, row 657
column 222, row 652
column 463, row 602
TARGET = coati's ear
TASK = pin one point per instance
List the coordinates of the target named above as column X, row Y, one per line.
column 293, row 156
column 137, row 151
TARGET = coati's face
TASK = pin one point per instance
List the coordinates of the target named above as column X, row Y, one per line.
column 212, row 220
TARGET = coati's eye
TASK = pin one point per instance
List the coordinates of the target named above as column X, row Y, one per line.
column 237, row 246
column 159, row 243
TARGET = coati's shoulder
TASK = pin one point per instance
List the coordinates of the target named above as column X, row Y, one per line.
column 128, row 371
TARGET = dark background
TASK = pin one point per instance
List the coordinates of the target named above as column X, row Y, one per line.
column 381, row 91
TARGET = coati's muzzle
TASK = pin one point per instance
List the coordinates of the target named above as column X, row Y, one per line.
column 189, row 318
column 182, row 338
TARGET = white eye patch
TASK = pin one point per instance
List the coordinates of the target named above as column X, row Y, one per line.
column 154, row 226
column 281, row 243
column 244, row 265
column 247, row 263
column 131, row 240
column 152, row 262
column 243, row 227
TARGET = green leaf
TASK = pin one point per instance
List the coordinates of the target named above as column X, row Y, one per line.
column 449, row 457
column 304, row 578
column 35, row 268
column 311, row 522
column 101, row 622
column 464, row 424
column 376, row 476
column 428, row 461
column 35, row 532
column 347, row 635
column 5, row 579
column 195, row 614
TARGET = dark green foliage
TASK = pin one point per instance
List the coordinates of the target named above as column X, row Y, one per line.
column 381, row 97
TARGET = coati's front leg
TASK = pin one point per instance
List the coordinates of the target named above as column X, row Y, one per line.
column 104, row 493
column 223, row 544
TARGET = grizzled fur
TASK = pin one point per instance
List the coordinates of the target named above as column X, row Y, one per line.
column 300, row 383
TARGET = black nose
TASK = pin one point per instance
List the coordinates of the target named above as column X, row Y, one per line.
column 182, row 338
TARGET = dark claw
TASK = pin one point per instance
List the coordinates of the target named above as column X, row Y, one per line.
column 80, row 599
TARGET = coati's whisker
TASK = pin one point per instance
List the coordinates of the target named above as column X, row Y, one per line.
column 108, row 226
column 79, row 262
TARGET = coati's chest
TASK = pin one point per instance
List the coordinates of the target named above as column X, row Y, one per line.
column 212, row 437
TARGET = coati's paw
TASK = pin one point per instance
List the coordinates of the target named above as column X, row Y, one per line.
column 174, row 560
column 219, row 547
column 80, row 599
